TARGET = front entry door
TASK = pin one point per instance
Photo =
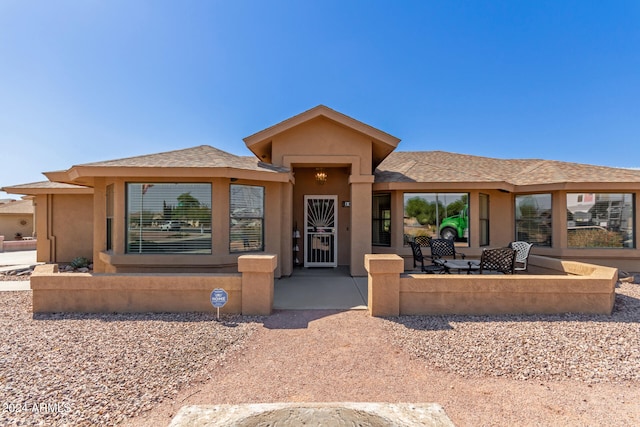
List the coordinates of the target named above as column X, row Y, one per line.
column 320, row 231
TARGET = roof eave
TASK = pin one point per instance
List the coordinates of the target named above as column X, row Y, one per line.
column 84, row 175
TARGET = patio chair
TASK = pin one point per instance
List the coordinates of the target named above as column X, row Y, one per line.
column 441, row 248
column 419, row 258
column 501, row 260
column 522, row 255
column 422, row 240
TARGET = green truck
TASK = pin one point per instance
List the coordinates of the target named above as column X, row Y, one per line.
column 455, row 227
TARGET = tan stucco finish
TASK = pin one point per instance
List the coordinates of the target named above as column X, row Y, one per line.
column 64, row 227
column 383, row 284
column 573, row 288
column 249, row 292
column 71, row 210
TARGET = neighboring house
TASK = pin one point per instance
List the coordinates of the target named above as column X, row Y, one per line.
column 16, row 219
column 320, row 190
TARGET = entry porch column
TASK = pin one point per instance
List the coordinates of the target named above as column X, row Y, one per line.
column 361, row 187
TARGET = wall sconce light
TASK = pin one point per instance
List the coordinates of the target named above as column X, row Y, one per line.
column 321, row 176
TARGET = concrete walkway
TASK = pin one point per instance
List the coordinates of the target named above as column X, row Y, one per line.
column 320, row 288
column 305, row 289
column 15, row 261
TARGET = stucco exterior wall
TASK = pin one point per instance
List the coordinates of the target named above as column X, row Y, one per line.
column 276, row 220
column 574, row 288
column 250, row 292
column 64, row 226
column 10, row 224
column 502, row 228
column 322, row 137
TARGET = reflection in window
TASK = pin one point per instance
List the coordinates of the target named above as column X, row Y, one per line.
column 381, row 221
column 533, row 219
column 600, row 220
column 484, row 219
column 168, row 218
column 110, row 201
column 246, row 228
column 432, row 215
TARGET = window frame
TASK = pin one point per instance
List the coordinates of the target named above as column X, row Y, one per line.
column 260, row 218
column 425, row 195
column 378, row 217
column 537, row 219
column 129, row 249
column 484, row 222
column 597, row 229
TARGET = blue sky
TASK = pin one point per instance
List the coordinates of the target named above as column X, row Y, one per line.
column 92, row 80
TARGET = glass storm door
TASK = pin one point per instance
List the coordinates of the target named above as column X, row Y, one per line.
column 320, row 226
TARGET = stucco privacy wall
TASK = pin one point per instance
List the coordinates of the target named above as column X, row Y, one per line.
column 250, row 292
column 579, row 288
column 16, row 245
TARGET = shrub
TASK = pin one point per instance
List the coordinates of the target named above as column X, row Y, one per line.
column 593, row 238
column 80, row 262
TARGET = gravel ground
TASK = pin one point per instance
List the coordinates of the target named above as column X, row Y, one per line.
column 587, row 348
column 91, row 369
column 83, row 369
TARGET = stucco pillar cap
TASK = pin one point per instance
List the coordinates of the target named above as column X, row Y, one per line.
column 257, row 263
column 383, row 263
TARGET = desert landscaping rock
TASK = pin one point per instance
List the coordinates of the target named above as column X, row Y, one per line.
column 587, row 348
column 99, row 369
column 109, row 369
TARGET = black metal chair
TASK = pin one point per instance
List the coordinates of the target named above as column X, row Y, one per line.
column 441, row 248
column 419, row 258
column 501, row 260
column 422, row 240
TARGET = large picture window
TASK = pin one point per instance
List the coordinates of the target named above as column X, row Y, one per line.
column 168, row 218
column 600, row 220
column 246, row 228
column 432, row 215
column 381, row 221
column 533, row 219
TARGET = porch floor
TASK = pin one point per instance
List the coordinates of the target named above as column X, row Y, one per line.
column 320, row 288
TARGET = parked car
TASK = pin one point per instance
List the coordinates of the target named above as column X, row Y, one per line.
column 170, row 226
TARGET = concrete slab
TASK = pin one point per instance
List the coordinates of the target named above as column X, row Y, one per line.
column 313, row 414
column 309, row 289
column 15, row 285
column 18, row 258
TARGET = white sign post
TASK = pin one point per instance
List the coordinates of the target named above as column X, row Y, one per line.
column 219, row 298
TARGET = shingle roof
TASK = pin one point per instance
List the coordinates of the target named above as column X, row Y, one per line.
column 17, row 207
column 440, row 166
column 46, row 185
column 203, row 156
